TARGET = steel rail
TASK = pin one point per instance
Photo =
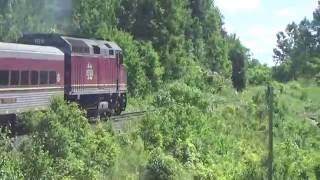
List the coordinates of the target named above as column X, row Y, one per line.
column 127, row 116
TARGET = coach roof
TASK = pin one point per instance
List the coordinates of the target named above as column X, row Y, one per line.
column 13, row 50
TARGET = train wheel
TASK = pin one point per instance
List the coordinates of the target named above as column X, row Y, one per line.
column 117, row 110
column 106, row 115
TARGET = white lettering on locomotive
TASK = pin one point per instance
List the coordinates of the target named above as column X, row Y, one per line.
column 39, row 41
column 89, row 72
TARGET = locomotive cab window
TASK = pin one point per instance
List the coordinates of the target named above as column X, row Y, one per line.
column 96, row 49
column 34, row 77
column 43, row 77
column 52, row 77
column 111, row 52
column 4, row 78
column 24, row 77
column 78, row 46
column 15, row 76
column 82, row 50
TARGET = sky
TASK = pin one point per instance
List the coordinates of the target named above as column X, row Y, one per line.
column 256, row 22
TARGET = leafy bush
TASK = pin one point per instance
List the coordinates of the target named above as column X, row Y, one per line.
column 162, row 167
column 259, row 75
column 218, row 144
column 10, row 164
column 64, row 145
column 180, row 93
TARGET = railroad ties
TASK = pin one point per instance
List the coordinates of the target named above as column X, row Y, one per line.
column 120, row 122
column 128, row 116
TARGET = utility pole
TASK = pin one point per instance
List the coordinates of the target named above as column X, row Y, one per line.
column 270, row 109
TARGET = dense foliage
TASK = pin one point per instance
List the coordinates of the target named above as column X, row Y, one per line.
column 61, row 145
column 182, row 68
column 239, row 57
column 193, row 134
column 224, row 136
column 257, row 73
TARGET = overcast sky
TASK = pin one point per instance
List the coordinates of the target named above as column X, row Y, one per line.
column 257, row 22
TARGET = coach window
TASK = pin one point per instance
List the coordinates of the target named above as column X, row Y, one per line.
column 43, row 77
column 96, row 49
column 4, row 78
column 15, row 76
column 52, row 77
column 34, row 77
column 111, row 52
column 24, row 78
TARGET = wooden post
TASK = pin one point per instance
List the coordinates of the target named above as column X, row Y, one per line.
column 270, row 110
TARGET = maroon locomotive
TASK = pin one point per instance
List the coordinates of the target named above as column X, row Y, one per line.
column 87, row 71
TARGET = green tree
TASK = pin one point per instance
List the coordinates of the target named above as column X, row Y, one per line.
column 151, row 64
column 91, row 15
column 298, row 48
column 26, row 16
column 180, row 31
column 238, row 56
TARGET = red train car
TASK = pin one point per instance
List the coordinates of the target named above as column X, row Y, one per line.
column 29, row 76
column 87, row 71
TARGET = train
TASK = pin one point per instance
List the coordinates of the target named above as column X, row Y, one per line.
column 90, row 72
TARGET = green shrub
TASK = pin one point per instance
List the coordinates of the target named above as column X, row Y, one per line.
column 64, row 145
column 304, row 95
column 162, row 167
column 259, row 75
column 10, row 164
column 30, row 121
column 295, row 85
column 180, row 93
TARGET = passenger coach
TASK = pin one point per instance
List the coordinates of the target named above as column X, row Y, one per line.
column 87, row 71
column 29, row 76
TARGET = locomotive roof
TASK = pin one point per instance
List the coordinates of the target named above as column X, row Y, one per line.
column 13, row 50
column 88, row 43
column 113, row 45
column 79, row 45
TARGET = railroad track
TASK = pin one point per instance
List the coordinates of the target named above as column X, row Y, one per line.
column 125, row 120
column 122, row 117
column 127, row 116
column 118, row 123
